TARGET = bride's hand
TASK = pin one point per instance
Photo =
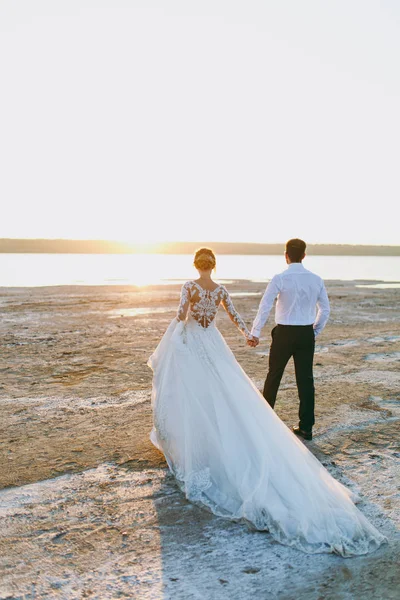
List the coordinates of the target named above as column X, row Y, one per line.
column 253, row 341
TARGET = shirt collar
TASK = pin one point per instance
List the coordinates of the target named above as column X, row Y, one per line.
column 295, row 267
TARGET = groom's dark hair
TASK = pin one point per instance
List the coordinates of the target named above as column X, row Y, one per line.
column 295, row 249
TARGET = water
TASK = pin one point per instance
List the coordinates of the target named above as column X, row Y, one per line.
column 25, row 270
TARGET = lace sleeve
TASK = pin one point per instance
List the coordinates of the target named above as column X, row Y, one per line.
column 233, row 314
column 184, row 302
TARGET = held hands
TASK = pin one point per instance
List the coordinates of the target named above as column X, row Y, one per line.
column 253, row 341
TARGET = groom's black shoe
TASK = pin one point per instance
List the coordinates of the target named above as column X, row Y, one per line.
column 307, row 435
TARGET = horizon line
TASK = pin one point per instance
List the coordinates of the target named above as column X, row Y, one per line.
column 186, row 242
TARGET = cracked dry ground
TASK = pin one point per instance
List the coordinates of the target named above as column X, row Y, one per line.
column 89, row 509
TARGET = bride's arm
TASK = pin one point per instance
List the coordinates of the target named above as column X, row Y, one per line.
column 233, row 314
column 184, row 302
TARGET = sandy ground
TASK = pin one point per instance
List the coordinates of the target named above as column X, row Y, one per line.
column 88, row 509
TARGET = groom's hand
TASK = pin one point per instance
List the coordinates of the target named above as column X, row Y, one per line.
column 253, row 342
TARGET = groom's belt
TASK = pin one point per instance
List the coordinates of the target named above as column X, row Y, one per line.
column 280, row 325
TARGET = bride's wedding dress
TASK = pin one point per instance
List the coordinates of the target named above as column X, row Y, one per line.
column 228, row 449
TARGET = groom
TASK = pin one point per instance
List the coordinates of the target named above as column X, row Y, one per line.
column 301, row 313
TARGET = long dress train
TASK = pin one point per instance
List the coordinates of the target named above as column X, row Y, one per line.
column 228, row 449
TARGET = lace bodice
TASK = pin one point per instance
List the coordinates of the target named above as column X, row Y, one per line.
column 203, row 305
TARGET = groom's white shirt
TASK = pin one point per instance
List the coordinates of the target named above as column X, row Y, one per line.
column 302, row 300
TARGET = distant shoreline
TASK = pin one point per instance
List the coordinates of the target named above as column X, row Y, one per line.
column 58, row 246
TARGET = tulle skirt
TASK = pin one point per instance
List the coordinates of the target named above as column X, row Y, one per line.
column 232, row 454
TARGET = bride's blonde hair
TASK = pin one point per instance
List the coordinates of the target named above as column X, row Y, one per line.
column 204, row 259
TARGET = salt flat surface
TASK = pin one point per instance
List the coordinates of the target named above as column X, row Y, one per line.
column 72, row 403
column 114, row 532
column 110, row 532
column 88, row 509
column 384, row 357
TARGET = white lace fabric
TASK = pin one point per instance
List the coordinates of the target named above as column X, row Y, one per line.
column 230, row 452
column 202, row 305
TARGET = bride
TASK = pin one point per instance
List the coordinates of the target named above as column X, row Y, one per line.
column 228, row 449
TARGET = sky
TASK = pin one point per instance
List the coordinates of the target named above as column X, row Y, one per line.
column 203, row 120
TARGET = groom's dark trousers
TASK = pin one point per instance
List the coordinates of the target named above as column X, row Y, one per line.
column 297, row 341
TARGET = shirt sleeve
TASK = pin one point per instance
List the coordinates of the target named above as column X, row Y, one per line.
column 323, row 311
column 184, row 302
column 267, row 301
column 233, row 314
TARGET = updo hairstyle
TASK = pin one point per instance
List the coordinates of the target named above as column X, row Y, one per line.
column 204, row 259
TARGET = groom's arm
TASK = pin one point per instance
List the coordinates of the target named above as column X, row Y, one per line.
column 323, row 311
column 266, row 304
